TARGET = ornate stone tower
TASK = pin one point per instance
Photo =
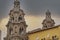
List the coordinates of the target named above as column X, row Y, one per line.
column 16, row 27
column 48, row 21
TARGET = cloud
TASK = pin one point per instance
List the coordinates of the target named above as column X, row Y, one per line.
column 33, row 22
column 38, row 7
column 31, row 7
column 3, row 23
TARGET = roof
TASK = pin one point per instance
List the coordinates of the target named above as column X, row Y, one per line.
column 40, row 30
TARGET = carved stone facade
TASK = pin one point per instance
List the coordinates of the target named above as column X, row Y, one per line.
column 16, row 27
column 48, row 21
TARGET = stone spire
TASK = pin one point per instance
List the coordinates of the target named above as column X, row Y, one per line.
column 48, row 21
column 48, row 15
column 16, row 5
column 16, row 27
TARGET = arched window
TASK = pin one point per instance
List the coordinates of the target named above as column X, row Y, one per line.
column 12, row 18
column 10, row 30
column 20, row 18
column 43, row 39
column 20, row 30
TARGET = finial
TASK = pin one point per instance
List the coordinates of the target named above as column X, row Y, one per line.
column 48, row 11
column 16, row 0
column 16, row 4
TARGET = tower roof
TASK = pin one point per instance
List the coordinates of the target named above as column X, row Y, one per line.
column 16, row 2
column 48, row 13
column 16, row 5
column 48, row 21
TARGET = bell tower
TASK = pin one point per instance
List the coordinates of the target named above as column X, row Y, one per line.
column 48, row 21
column 16, row 27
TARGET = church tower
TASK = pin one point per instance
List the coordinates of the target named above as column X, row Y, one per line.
column 48, row 21
column 16, row 27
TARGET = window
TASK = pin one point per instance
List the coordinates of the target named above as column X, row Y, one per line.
column 43, row 39
column 20, row 18
column 45, row 26
column 54, row 37
column 20, row 30
column 12, row 18
column 10, row 30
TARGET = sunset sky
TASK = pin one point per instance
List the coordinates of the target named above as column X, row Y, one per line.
column 34, row 10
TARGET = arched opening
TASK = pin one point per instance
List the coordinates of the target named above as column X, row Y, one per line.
column 20, row 18
column 10, row 30
column 20, row 30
